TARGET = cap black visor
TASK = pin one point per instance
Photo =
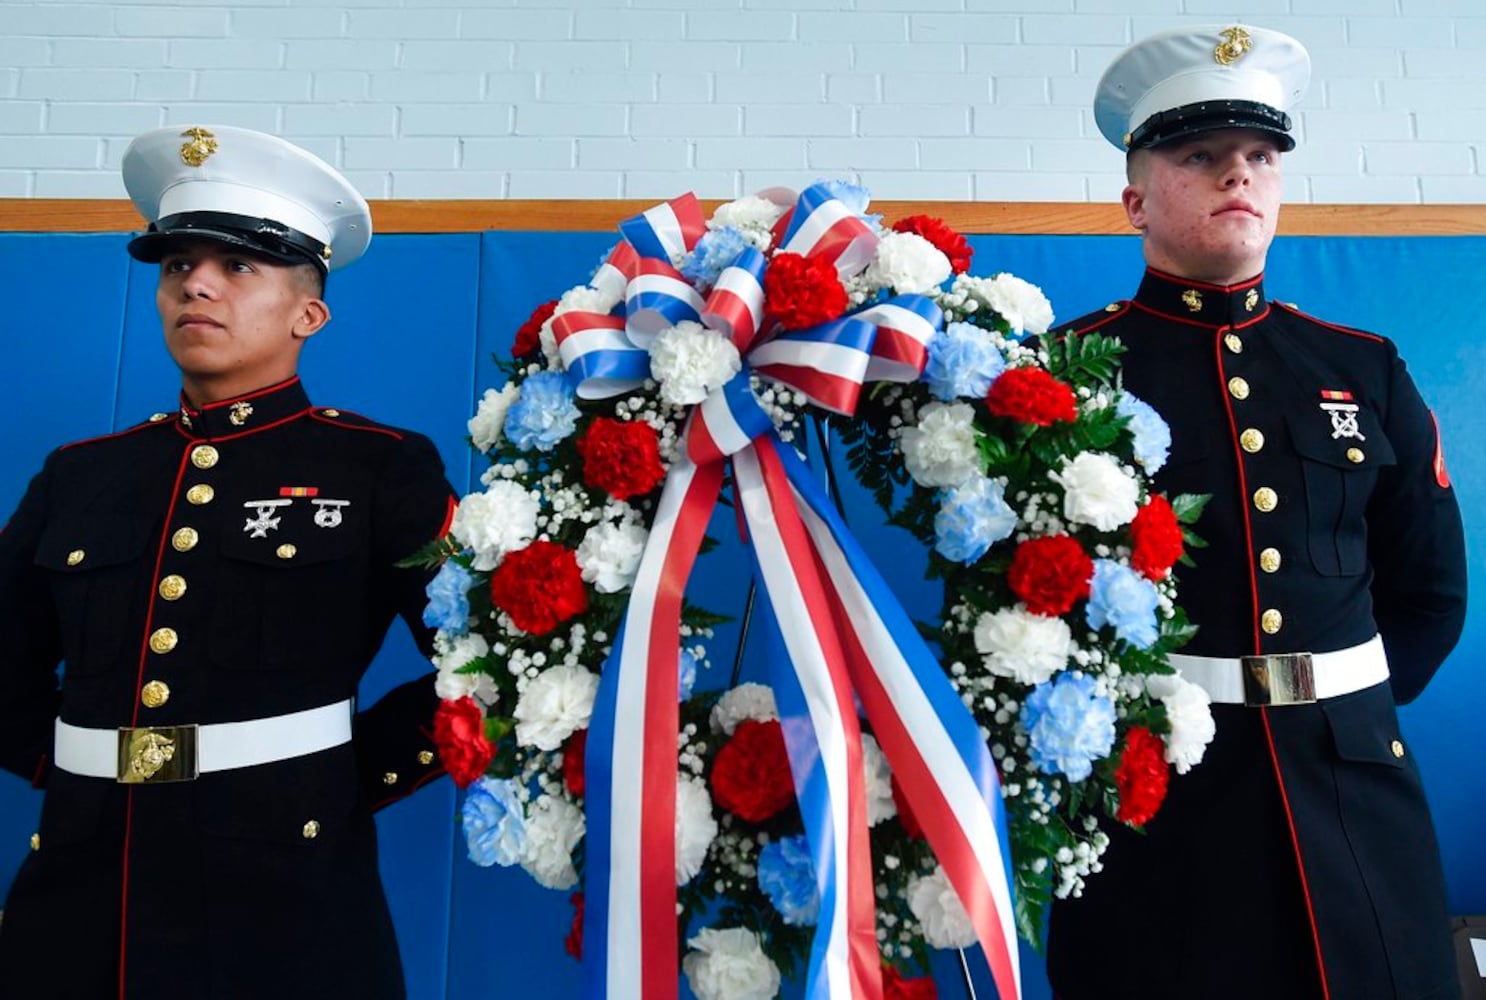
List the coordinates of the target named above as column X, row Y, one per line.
column 260, row 236
column 1210, row 116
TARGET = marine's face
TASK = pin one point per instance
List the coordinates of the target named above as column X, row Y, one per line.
column 1208, row 206
column 233, row 321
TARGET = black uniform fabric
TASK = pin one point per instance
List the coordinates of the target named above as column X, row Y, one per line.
column 1301, row 846
column 255, row 882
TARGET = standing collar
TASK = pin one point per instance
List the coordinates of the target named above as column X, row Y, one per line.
column 245, row 413
column 1201, row 303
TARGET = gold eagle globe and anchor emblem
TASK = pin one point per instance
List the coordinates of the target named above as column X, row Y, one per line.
column 149, row 751
column 1236, row 42
column 202, row 145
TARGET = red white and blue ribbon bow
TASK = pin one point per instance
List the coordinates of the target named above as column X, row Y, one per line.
column 847, row 640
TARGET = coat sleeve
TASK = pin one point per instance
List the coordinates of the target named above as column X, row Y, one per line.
column 394, row 737
column 30, row 695
column 1416, row 543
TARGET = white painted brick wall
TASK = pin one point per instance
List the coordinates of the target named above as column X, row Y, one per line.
column 957, row 99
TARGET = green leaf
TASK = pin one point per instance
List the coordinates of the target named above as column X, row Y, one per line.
column 1188, row 507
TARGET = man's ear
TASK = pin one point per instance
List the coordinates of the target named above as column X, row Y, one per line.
column 1134, row 201
column 313, row 315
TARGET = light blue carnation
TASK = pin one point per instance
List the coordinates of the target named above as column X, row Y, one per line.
column 713, row 253
column 543, row 414
column 1125, row 600
column 494, row 823
column 855, row 197
column 1069, row 726
column 971, row 519
column 786, row 874
column 686, row 675
column 962, row 363
column 1152, row 436
column 449, row 599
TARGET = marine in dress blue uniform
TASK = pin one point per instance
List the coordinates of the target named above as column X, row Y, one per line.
column 215, row 581
column 1298, row 860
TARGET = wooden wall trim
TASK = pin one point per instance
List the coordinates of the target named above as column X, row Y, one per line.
column 55, row 215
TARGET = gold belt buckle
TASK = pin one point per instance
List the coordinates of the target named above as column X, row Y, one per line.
column 1278, row 679
column 155, row 754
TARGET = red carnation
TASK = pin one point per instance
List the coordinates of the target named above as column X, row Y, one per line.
column 573, row 943
column 801, row 292
column 1032, row 396
column 1157, row 539
column 906, row 819
column 621, row 457
column 529, row 334
column 459, row 733
column 1050, row 574
column 539, row 586
column 945, row 239
column 751, row 777
column 573, row 771
column 895, row 987
column 1141, row 776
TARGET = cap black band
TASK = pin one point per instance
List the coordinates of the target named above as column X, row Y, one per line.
column 265, row 236
column 1207, row 116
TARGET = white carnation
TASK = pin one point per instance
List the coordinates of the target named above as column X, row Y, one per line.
column 553, row 828
column 582, row 298
column 695, row 827
column 1026, row 647
column 744, row 702
column 880, row 804
column 610, row 553
column 485, row 426
column 941, row 450
column 1021, row 303
column 1097, row 491
column 502, row 519
column 556, row 703
column 752, row 216
column 689, row 361
column 907, row 263
column 939, row 910
column 449, row 654
column 1189, row 711
column 729, row 964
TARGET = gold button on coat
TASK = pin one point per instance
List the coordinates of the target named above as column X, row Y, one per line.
column 1234, row 343
column 1252, row 440
column 390, row 778
column 155, row 418
column 200, row 493
column 311, row 830
column 163, row 640
column 173, row 587
column 330, row 413
column 1266, row 499
column 1238, row 387
column 286, row 551
column 1271, row 621
column 35, row 841
column 76, row 556
column 184, row 539
column 425, row 756
column 154, row 694
column 1269, row 560
column 204, row 456
column 1398, row 749
column 1354, row 455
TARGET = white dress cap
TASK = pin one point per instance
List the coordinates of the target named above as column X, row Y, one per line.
column 244, row 188
column 1190, row 80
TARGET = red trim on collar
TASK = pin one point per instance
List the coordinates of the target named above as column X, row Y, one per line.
column 255, row 394
column 1171, row 316
column 1177, row 279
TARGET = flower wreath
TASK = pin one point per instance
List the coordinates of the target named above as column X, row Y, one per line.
column 613, row 392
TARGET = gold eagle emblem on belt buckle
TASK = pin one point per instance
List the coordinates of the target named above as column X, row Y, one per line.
column 157, row 754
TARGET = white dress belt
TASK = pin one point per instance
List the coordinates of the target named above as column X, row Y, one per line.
column 1285, row 678
column 217, row 746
